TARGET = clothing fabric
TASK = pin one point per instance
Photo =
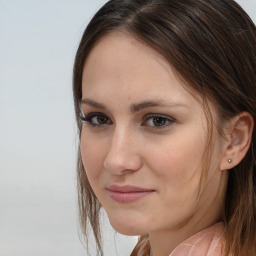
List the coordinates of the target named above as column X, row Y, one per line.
column 208, row 242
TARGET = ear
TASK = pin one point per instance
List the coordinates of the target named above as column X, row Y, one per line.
column 238, row 140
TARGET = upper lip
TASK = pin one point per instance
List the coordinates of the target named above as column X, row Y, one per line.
column 127, row 189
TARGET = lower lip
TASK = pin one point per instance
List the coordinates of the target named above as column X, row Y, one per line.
column 128, row 197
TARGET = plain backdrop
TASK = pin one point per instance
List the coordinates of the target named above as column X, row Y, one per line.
column 38, row 207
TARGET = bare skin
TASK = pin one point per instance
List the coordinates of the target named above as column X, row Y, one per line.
column 143, row 129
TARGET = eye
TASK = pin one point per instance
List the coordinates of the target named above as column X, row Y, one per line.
column 157, row 121
column 96, row 119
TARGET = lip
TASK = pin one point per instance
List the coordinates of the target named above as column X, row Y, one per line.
column 127, row 193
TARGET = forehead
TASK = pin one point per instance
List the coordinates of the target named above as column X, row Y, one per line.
column 121, row 61
column 117, row 49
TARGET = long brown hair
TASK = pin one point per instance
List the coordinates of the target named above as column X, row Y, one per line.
column 211, row 44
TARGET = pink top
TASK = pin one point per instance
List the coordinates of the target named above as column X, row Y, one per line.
column 208, row 242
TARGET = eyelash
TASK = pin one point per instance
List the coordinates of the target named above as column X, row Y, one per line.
column 90, row 116
column 165, row 120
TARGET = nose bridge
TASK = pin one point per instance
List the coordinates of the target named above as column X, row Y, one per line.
column 122, row 155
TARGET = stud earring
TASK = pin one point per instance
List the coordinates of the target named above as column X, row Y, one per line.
column 230, row 161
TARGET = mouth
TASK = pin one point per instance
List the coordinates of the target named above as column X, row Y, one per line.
column 127, row 194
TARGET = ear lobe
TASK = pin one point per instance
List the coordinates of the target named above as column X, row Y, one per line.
column 238, row 140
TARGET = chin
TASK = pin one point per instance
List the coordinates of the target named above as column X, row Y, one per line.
column 126, row 230
column 127, row 226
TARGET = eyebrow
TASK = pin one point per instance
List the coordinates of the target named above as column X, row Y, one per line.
column 160, row 103
column 93, row 103
column 137, row 106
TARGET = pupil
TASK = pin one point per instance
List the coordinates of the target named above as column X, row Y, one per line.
column 158, row 121
column 102, row 119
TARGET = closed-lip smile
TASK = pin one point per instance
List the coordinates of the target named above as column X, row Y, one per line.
column 127, row 193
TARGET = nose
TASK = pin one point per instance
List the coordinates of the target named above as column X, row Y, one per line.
column 123, row 154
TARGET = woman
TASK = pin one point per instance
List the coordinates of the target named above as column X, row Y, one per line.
column 165, row 100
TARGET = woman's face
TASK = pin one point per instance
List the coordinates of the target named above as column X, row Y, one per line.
column 143, row 140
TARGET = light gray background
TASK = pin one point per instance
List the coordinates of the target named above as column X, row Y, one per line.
column 38, row 212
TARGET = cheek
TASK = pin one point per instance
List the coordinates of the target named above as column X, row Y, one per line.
column 92, row 153
column 178, row 160
column 177, row 170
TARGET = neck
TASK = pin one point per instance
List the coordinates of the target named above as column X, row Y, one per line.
column 208, row 241
column 165, row 241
